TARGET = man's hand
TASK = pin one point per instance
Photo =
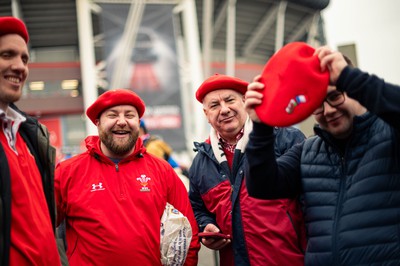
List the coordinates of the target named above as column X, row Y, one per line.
column 331, row 60
column 253, row 97
column 214, row 243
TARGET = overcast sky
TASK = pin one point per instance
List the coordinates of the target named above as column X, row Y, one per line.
column 374, row 26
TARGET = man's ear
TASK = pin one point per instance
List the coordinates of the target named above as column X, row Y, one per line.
column 97, row 122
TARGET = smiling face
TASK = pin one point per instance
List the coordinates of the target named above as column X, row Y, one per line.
column 339, row 120
column 118, row 128
column 14, row 59
column 225, row 112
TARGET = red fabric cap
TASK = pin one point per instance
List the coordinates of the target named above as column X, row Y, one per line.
column 12, row 25
column 219, row 82
column 112, row 98
column 294, row 85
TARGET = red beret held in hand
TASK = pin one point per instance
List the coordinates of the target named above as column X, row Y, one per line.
column 294, row 85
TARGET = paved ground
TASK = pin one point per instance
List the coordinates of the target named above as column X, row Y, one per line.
column 207, row 257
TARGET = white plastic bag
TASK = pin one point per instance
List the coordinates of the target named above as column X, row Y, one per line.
column 176, row 234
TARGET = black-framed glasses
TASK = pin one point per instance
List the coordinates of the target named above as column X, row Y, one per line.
column 334, row 99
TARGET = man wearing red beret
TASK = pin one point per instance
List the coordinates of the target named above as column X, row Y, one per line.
column 27, row 207
column 113, row 196
column 348, row 173
column 258, row 232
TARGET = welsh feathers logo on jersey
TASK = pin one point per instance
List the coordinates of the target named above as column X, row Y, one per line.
column 144, row 181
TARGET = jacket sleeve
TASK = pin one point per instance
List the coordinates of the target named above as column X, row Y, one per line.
column 178, row 197
column 268, row 177
column 203, row 216
column 58, row 195
column 375, row 94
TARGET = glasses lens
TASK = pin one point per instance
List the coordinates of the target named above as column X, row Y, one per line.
column 335, row 98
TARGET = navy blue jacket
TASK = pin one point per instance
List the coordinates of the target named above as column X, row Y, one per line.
column 351, row 192
column 264, row 232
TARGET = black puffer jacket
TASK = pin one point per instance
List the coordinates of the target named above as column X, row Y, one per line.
column 353, row 198
column 351, row 189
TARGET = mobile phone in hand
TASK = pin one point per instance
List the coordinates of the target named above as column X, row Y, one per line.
column 216, row 235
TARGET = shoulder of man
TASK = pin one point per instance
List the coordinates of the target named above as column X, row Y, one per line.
column 150, row 139
column 47, row 152
column 287, row 137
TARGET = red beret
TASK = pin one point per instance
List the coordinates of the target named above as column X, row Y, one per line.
column 294, row 85
column 112, row 98
column 219, row 82
column 12, row 25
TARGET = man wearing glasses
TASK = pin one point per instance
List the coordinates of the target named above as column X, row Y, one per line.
column 334, row 99
column 348, row 173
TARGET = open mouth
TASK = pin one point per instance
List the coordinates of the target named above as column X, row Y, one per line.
column 13, row 79
column 120, row 132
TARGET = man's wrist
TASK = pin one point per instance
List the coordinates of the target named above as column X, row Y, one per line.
column 260, row 128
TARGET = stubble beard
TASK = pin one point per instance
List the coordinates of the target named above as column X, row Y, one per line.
column 9, row 98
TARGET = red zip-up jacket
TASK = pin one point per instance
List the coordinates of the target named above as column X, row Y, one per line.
column 113, row 211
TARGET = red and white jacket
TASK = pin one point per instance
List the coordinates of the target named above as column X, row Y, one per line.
column 113, row 211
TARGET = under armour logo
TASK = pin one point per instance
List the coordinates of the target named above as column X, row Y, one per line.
column 97, row 187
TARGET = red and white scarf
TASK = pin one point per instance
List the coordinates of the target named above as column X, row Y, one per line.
column 241, row 145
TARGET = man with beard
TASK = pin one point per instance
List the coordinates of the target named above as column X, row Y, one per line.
column 114, row 194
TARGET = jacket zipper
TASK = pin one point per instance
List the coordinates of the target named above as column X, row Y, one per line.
column 335, row 251
column 120, row 183
column 296, row 231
